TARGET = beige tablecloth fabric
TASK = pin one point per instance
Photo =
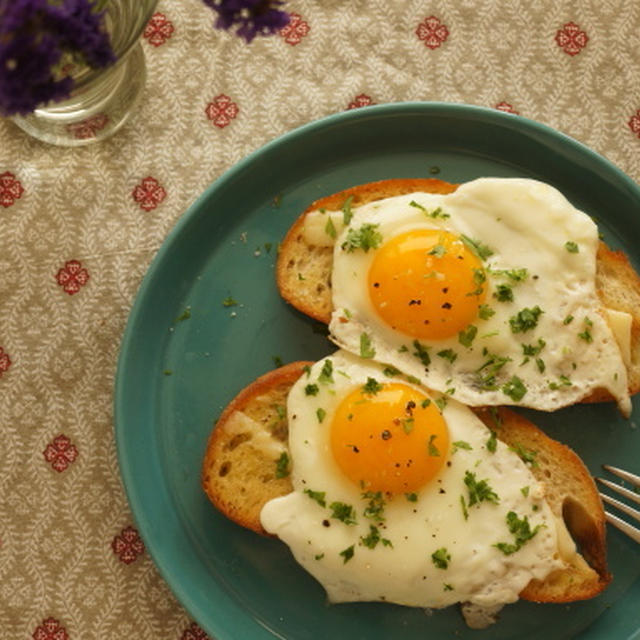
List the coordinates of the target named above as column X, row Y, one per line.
column 79, row 227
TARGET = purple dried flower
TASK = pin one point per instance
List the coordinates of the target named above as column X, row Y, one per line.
column 34, row 35
column 252, row 17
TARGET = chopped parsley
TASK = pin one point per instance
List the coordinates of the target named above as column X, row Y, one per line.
column 438, row 213
column 375, row 508
column 326, row 374
column 481, row 250
column 318, row 496
column 417, row 205
column 371, row 387
column 229, row 302
column 485, row 312
column 330, row 228
column 488, row 371
column 465, row 511
column 321, row 414
column 568, row 320
column 521, row 531
column 422, row 353
column 448, row 354
column 438, row 251
column 532, row 349
column 441, row 558
column 515, row 389
column 433, row 450
column 479, row 278
column 411, row 497
column 365, row 238
column 425, row 403
column 586, row 334
column 461, row 444
column 347, row 214
column 563, row 381
column 407, row 425
column 517, row 275
column 390, row 371
column 503, row 293
column 466, row 336
column 343, row 512
column 311, row 390
column 526, row 455
column 525, row 491
column 366, row 348
column 282, row 465
column 441, row 403
column 373, row 538
column 492, row 442
column 541, row 365
column 525, row 320
column 571, row 246
column 479, row 490
column 347, row 553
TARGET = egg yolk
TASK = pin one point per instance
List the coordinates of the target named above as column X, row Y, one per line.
column 394, row 440
column 426, row 283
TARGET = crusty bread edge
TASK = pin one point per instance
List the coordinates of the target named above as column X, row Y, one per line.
column 286, row 374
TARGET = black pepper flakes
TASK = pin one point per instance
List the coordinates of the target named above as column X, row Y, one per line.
column 386, row 434
column 447, row 305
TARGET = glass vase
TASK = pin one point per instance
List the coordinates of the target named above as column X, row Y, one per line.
column 102, row 99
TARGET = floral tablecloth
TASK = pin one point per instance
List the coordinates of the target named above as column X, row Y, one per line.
column 79, row 227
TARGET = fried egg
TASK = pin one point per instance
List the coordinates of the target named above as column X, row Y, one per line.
column 487, row 294
column 403, row 495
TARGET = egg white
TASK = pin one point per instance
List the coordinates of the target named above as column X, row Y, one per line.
column 527, row 224
column 402, row 570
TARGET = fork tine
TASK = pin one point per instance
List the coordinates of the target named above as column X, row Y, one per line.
column 623, row 491
column 625, row 508
column 625, row 475
column 625, row 527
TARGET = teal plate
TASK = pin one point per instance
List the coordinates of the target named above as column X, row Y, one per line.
column 176, row 373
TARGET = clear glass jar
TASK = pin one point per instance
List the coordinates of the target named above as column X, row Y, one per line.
column 102, row 99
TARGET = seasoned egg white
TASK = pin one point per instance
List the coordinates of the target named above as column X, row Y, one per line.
column 487, row 293
column 435, row 543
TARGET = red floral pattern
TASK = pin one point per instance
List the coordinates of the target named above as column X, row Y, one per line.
column 149, row 193
column 571, row 39
column 10, row 189
column 295, row 30
column 362, row 100
column 72, row 277
column 60, row 453
column 432, row 31
column 222, row 111
column 127, row 545
column 5, row 362
column 158, row 30
column 634, row 123
column 88, row 128
column 506, row 107
column 50, row 629
column 194, row 632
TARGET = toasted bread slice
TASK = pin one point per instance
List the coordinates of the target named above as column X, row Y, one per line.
column 303, row 271
column 239, row 476
column 240, row 470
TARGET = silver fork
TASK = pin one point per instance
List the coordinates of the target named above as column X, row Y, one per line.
column 617, row 522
